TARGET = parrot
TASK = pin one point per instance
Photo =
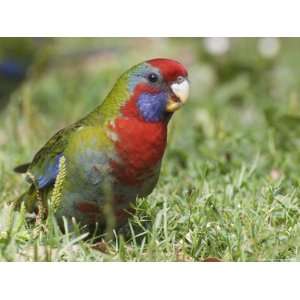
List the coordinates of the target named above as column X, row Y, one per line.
column 113, row 155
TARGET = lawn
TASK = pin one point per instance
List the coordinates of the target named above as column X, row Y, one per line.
column 229, row 186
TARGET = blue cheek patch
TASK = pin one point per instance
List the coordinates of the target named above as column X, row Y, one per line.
column 152, row 106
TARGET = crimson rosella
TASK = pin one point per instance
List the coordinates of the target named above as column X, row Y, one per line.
column 114, row 153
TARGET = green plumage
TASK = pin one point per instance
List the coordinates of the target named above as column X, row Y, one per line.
column 87, row 136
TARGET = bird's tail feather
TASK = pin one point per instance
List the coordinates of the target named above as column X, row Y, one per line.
column 22, row 168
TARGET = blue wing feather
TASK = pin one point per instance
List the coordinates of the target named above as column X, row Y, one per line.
column 50, row 173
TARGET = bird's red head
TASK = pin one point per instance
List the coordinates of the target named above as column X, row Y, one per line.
column 158, row 88
column 170, row 69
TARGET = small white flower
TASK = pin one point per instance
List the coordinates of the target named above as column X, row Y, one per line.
column 268, row 47
column 217, row 46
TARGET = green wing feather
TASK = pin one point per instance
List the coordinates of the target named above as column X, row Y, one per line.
column 47, row 155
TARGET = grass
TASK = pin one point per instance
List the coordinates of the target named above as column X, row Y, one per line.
column 229, row 186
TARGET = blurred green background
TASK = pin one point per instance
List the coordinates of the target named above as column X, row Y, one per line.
column 230, row 181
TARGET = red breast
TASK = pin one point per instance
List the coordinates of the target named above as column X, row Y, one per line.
column 140, row 145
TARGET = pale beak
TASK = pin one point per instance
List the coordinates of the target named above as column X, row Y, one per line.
column 181, row 94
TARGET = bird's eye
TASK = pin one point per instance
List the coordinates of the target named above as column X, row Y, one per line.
column 153, row 77
column 180, row 79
